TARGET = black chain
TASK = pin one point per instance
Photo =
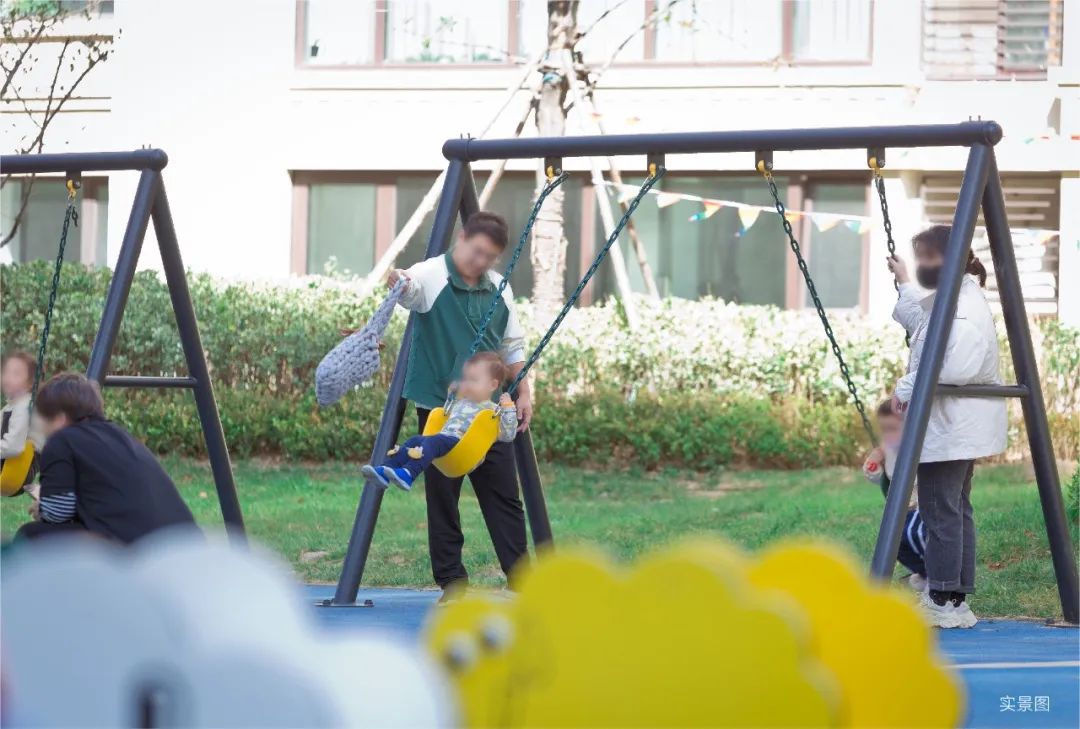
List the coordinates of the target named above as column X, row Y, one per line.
column 71, row 216
column 481, row 328
column 570, row 302
column 879, row 184
column 797, row 250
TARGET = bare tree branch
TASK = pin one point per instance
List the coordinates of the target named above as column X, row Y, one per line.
column 30, row 27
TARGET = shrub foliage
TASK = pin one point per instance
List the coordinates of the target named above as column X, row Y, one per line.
column 699, row 384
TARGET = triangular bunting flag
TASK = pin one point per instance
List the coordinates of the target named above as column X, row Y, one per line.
column 825, row 222
column 853, row 225
column 864, row 226
column 747, row 216
column 711, row 206
column 625, row 194
column 666, row 199
column 792, row 217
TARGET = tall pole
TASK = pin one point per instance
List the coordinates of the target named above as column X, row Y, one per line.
column 367, row 512
column 1027, row 375
column 937, row 340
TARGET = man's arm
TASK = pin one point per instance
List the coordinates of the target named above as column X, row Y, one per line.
column 58, row 479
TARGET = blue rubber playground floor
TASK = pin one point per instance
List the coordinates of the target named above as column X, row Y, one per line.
column 1018, row 674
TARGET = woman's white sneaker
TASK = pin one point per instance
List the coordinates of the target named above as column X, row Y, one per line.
column 964, row 616
column 939, row 616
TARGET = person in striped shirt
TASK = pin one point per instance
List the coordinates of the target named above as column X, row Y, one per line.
column 95, row 477
column 878, row 469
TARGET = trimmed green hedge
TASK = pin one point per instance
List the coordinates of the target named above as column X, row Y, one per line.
column 699, row 384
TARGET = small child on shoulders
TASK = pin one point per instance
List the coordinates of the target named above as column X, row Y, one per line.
column 481, row 377
column 878, row 469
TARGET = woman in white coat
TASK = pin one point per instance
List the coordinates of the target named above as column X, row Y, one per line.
column 960, row 429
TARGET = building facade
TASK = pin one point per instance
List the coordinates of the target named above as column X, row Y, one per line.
column 302, row 134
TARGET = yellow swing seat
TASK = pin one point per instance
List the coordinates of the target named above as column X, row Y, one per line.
column 14, row 475
column 473, row 447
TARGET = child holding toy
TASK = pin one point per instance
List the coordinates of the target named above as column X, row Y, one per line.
column 95, row 477
column 959, row 430
column 481, row 376
column 17, row 428
column 878, row 469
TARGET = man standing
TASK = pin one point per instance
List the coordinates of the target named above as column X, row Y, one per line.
column 450, row 295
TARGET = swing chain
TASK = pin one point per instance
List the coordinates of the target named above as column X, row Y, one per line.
column 481, row 328
column 876, row 160
column 655, row 173
column 71, row 216
column 766, row 171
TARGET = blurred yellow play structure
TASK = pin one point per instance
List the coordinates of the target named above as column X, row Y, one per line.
column 698, row 635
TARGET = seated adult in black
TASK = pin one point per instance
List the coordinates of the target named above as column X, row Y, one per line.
column 95, row 477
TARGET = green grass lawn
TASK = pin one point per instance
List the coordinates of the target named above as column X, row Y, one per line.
column 303, row 511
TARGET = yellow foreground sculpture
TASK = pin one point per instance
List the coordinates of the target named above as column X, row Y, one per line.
column 698, row 635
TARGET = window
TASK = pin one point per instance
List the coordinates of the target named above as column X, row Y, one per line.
column 722, row 30
column 437, row 31
column 341, row 227
column 992, row 38
column 718, row 256
column 831, row 30
column 338, row 32
column 621, row 23
column 834, row 255
column 38, row 234
column 744, row 258
column 750, row 31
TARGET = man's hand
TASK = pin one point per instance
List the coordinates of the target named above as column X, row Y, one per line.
column 899, row 407
column 394, row 276
column 524, row 409
column 506, row 401
column 899, row 269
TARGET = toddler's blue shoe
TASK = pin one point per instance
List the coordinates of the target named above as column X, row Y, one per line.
column 376, row 474
column 401, row 478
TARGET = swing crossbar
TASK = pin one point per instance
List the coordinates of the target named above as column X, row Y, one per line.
column 964, row 134
column 139, row 159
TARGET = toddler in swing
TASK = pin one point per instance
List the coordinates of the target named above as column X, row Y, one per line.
column 18, row 428
column 481, row 377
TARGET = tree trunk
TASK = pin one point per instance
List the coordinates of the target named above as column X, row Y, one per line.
column 548, row 251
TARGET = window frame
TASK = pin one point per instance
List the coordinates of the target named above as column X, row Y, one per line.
column 514, row 57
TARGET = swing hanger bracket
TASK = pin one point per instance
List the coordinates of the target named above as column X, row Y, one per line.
column 552, row 167
column 654, row 162
column 73, row 182
column 763, row 161
column 875, row 158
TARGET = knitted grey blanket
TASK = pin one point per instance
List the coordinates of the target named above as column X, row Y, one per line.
column 356, row 359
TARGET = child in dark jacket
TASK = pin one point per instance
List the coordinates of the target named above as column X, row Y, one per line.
column 95, row 477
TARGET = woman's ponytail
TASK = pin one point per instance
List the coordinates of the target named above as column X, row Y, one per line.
column 976, row 268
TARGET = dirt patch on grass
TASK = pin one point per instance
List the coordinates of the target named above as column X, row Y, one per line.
column 719, row 485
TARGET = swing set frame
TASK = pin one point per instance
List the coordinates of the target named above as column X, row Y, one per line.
column 150, row 204
column 980, row 190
